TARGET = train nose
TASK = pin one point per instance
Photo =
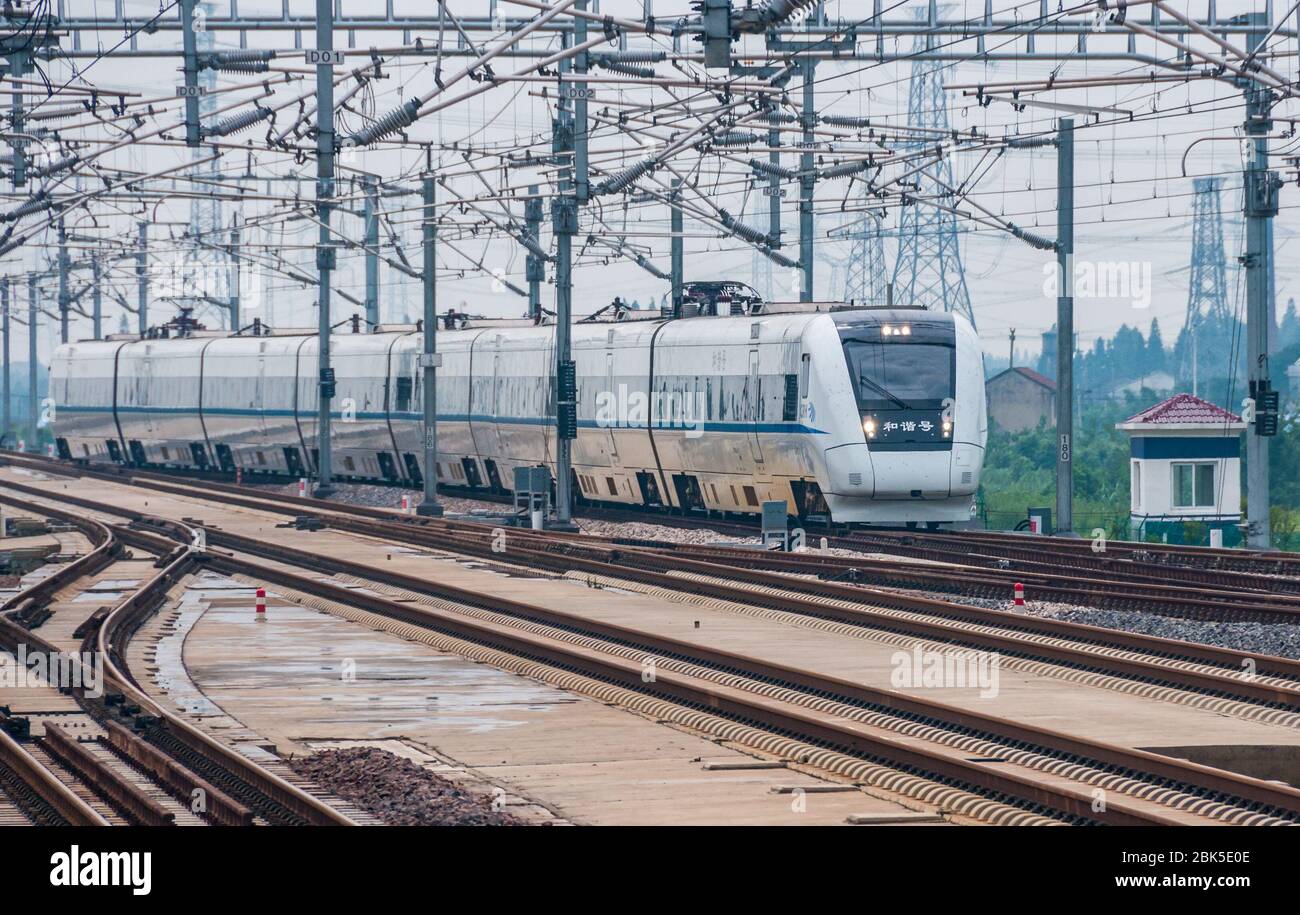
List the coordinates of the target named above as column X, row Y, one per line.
column 856, row 470
column 911, row 474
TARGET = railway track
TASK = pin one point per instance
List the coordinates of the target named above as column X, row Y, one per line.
column 147, row 764
column 1038, row 772
column 1117, row 575
column 1263, row 680
column 1187, row 582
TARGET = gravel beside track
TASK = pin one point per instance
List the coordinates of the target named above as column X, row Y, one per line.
column 1263, row 638
column 1278, row 639
column 397, row 790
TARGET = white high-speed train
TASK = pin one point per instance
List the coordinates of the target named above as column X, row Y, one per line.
column 862, row 415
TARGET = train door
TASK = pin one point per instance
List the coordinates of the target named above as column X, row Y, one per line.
column 619, row 407
column 146, row 398
column 754, row 405
column 259, row 387
column 500, row 408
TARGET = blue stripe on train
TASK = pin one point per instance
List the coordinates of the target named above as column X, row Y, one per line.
column 459, row 418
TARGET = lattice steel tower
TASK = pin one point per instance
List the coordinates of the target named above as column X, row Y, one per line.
column 865, row 273
column 929, row 271
column 1208, row 328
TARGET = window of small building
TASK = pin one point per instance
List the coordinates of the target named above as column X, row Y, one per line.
column 1193, row 485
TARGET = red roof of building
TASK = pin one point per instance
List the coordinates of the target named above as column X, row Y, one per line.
column 1033, row 376
column 1184, row 408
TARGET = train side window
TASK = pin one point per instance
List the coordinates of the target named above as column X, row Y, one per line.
column 404, row 386
column 751, row 496
column 790, row 406
column 804, row 365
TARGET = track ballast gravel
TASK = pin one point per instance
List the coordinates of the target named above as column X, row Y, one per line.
column 397, row 790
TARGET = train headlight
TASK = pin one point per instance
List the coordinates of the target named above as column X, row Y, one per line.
column 869, row 427
column 947, row 428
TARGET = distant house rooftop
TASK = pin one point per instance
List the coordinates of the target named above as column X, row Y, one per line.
column 1184, row 410
column 1036, row 377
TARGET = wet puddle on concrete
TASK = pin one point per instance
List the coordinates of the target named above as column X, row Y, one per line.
column 313, row 673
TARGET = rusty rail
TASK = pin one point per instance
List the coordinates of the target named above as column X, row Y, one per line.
column 125, row 796
column 112, row 636
column 219, row 806
column 47, row 786
column 1071, row 799
column 651, row 566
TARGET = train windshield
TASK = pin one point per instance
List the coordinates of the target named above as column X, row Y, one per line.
column 895, row 375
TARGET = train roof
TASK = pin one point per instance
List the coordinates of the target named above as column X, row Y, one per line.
column 877, row 315
column 779, row 317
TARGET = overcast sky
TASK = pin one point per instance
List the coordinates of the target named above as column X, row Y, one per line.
column 1132, row 201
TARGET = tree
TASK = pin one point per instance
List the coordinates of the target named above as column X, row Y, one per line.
column 1289, row 330
column 1155, row 348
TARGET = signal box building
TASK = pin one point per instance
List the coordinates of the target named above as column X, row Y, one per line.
column 1184, row 471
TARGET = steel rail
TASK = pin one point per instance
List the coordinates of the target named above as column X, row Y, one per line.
column 286, row 561
column 648, row 566
column 123, row 794
column 110, row 640
column 46, row 785
column 1255, row 790
column 812, row 725
column 31, row 771
column 1239, row 600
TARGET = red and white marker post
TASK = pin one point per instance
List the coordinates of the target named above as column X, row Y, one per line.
column 261, row 605
column 302, row 487
column 1020, row 594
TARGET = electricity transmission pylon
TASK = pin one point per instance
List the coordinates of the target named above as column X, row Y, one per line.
column 929, row 271
column 1208, row 328
column 865, row 274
